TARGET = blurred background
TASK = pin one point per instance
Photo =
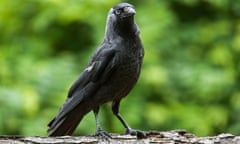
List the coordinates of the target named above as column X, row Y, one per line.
column 190, row 78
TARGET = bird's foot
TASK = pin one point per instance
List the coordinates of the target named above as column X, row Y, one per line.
column 103, row 134
column 140, row 134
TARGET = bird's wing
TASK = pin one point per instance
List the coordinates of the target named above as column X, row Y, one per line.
column 99, row 68
column 89, row 81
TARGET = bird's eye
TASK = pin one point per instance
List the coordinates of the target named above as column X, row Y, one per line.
column 118, row 11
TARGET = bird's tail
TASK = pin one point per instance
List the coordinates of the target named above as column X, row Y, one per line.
column 65, row 125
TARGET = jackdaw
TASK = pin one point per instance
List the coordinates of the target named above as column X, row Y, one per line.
column 109, row 76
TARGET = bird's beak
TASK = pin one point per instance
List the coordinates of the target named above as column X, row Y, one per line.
column 129, row 11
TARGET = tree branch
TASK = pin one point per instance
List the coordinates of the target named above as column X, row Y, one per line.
column 177, row 136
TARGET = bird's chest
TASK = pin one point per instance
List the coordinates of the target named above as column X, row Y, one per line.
column 128, row 67
column 125, row 75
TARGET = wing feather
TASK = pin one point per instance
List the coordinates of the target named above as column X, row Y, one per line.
column 88, row 82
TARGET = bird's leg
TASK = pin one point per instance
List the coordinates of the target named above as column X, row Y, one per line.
column 99, row 131
column 115, row 109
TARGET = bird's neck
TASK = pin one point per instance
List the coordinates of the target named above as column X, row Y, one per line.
column 126, row 28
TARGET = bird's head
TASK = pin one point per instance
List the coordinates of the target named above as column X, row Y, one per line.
column 121, row 20
column 123, row 10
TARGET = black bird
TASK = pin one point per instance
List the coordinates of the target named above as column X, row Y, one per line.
column 110, row 75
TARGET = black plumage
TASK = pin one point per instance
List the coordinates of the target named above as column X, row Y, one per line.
column 110, row 75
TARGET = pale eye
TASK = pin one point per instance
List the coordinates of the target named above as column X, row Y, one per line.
column 118, row 11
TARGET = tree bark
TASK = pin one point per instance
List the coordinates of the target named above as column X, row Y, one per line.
column 170, row 137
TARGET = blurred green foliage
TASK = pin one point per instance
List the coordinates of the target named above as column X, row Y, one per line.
column 190, row 77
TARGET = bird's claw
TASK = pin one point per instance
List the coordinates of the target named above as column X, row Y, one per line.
column 140, row 134
column 103, row 134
